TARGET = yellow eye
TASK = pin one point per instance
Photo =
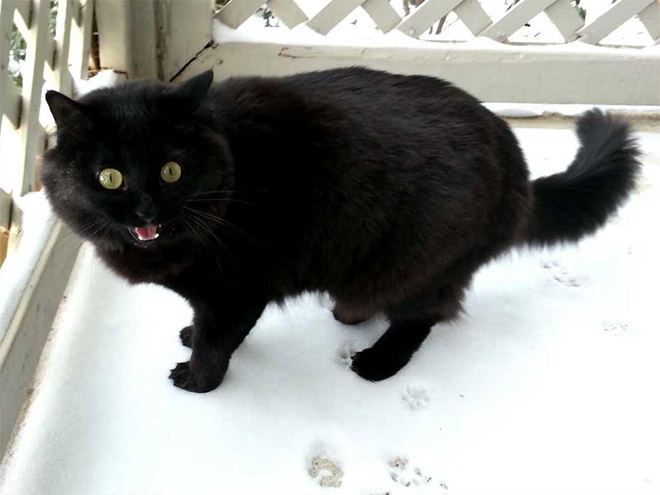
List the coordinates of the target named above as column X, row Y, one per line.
column 171, row 172
column 110, row 178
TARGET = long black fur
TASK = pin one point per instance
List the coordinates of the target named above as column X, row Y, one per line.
column 577, row 202
column 386, row 191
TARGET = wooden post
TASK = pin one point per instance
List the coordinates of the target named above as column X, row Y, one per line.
column 185, row 29
column 127, row 37
column 152, row 39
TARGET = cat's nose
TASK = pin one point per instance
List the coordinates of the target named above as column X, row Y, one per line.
column 146, row 209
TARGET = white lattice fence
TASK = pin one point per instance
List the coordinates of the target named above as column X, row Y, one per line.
column 53, row 59
column 50, row 59
column 560, row 12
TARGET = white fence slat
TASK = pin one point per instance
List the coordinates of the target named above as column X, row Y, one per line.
column 24, row 8
column 81, row 39
column 10, row 100
column 383, row 14
column 87, row 16
column 5, row 210
column 50, row 49
column 513, row 20
column 473, row 16
column 425, row 16
column 650, row 17
column 6, row 22
column 32, row 134
column 564, row 16
column 10, row 106
column 20, row 22
column 617, row 14
column 288, row 12
column 237, row 12
column 63, row 79
column 332, row 14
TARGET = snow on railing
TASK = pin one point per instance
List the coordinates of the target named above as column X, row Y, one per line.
column 388, row 15
column 43, row 43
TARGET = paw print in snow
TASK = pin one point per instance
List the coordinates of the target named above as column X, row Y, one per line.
column 567, row 280
column 332, row 472
column 560, row 274
column 616, row 327
column 405, row 475
column 549, row 264
column 416, row 397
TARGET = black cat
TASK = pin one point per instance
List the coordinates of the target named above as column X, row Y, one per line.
column 386, row 191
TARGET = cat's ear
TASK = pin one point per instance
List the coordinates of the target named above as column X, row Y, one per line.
column 66, row 112
column 194, row 89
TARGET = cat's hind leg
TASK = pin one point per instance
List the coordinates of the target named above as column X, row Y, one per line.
column 410, row 324
column 186, row 336
column 351, row 314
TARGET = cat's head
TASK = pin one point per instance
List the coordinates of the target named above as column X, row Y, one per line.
column 131, row 161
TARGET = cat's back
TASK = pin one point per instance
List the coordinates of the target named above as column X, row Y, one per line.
column 363, row 113
column 358, row 88
column 354, row 92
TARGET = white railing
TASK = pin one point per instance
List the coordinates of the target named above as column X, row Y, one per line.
column 386, row 17
column 53, row 60
column 496, row 63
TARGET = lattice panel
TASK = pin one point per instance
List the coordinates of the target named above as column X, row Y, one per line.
column 51, row 59
column 560, row 12
column 57, row 58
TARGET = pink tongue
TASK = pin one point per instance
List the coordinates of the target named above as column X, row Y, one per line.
column 148, row 233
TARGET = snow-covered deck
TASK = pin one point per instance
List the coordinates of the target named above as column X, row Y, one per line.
column 549, row 384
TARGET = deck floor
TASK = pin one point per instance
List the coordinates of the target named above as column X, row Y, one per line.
column 549, row 384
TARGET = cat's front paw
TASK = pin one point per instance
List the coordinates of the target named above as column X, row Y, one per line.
column 183, row 377
column 186, row 336
column 373, row 365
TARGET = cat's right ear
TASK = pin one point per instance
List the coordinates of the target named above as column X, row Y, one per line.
column 193, row 91
column 66, row 112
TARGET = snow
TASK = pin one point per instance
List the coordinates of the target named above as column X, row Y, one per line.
column 38, row 222
column 547, row 385
column 103, row 79
column 523, row 110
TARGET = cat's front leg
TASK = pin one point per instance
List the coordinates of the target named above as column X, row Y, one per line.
column 220, row 325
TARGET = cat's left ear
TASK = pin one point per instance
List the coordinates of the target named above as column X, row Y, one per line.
column 194, row 89
column 66, row 112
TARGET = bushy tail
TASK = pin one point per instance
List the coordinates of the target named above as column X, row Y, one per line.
column 577, row 202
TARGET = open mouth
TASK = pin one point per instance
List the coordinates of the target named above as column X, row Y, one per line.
column 145, row 234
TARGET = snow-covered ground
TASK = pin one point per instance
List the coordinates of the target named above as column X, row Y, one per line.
column 549, row 384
